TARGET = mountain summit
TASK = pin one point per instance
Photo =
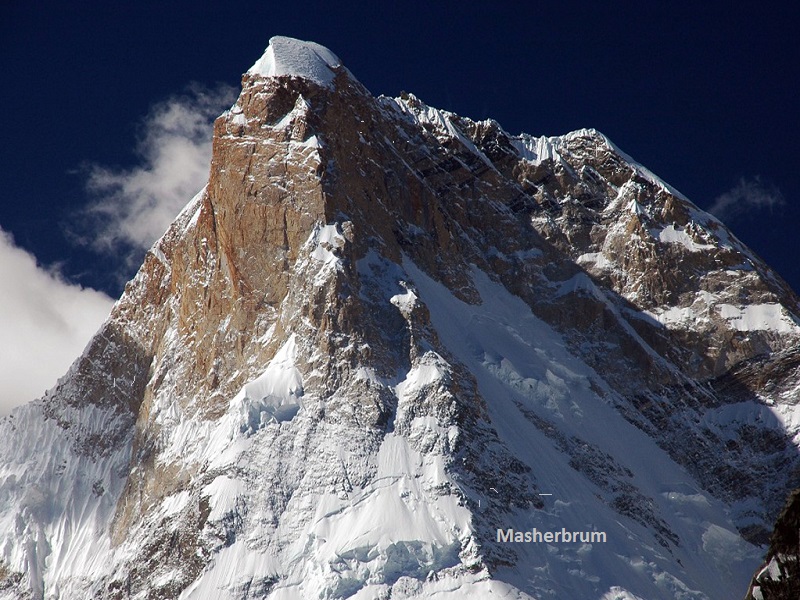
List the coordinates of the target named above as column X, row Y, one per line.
column 392, row 352
column 290, row 57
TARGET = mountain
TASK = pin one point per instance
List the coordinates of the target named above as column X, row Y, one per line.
column 383, row 340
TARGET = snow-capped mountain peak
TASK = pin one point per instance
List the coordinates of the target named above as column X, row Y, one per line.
column 291, row 57
column 384, row 340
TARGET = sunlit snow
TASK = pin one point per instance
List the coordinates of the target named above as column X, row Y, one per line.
column 288, row 56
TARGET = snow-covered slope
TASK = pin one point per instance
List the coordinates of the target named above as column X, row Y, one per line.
column 383, row 332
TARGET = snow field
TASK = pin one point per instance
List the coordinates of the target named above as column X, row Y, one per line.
column 520, row 362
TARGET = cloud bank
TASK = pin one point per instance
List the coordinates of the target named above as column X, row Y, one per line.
column 133, row 207
column 748, row 196
column 45, row 323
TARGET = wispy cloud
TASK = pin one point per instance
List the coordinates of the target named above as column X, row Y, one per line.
column 45, row 324
column 45, row 321
column 133, row 207
column 747, row 196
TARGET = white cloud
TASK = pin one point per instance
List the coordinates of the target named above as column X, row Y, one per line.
column 45, row 323
column 746, row 197
column 134, row 207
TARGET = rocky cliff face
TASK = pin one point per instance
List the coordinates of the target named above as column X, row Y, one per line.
column 383, row 331
column 779, row 577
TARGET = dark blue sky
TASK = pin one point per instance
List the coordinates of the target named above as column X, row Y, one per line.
column 702, row 95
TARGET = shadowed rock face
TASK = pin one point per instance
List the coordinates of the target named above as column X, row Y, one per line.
column 282, row 373
column 779, row 577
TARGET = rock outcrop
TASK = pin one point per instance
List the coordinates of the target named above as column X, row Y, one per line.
column 779, row 577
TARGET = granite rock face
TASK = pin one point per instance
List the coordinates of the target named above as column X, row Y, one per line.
column 380, row 333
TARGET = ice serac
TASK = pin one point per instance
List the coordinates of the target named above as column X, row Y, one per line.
column 378, row 335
